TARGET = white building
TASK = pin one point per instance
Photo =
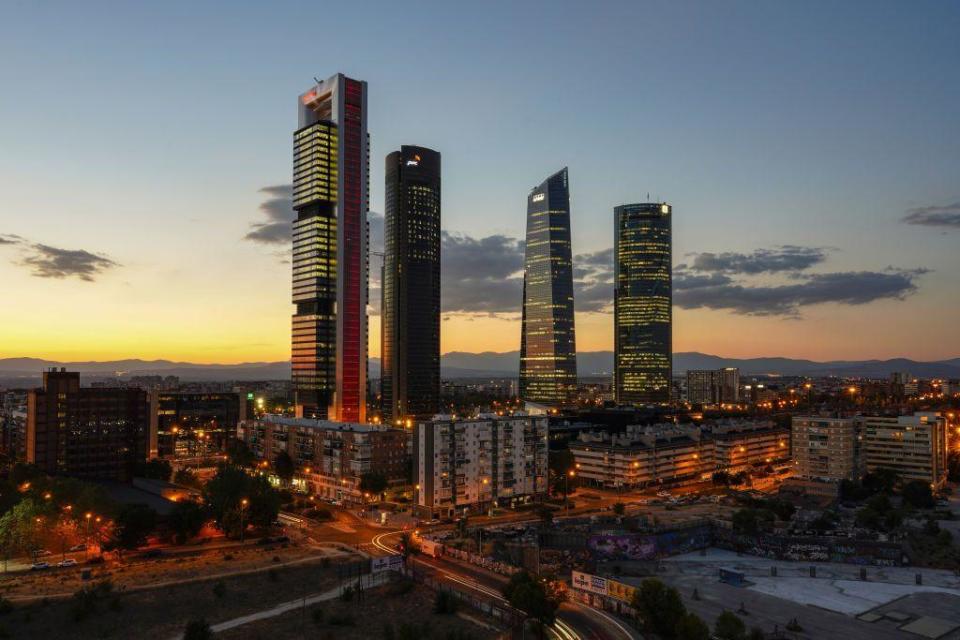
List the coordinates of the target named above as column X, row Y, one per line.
column 478, row 462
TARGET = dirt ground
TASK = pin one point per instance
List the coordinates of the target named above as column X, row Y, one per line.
column 148, row 573
column 392, row 606
column 162, row 613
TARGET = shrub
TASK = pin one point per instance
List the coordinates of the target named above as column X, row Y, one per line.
column 347, row 594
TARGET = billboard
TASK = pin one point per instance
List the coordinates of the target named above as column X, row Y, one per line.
column 386, row 563
column 589, row 583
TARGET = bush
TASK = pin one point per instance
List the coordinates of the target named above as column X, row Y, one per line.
column 729, row 627
column 347, row 594
column 198, row 630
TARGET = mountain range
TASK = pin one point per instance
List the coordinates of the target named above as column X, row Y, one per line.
column 488, row 364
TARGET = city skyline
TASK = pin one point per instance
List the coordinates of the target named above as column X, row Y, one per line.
column 808, row 200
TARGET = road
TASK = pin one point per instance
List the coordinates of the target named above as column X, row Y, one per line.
column 573, row 621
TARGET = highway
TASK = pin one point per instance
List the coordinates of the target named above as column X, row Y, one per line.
column 573, row 621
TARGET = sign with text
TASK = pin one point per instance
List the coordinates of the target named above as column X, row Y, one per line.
column 386, row 563
column 590, row 583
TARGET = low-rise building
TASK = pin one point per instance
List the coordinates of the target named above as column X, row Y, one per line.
column 332, row 457
column 194, row 424
column 476, row 462
column 742, row 444
column 914, row 446
column 642, row 456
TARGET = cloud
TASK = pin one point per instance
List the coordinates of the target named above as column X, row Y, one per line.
column 10, row 238
column 785, row 258
column 593, row 281
column 936, row 216
column 481, row 275
column 693, row 291
column 53, row 262
column 278, row 212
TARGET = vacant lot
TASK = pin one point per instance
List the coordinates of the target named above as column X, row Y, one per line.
column 162, row 613
column 397, row 611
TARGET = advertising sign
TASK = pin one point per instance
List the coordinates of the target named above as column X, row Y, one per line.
column 589, row 583
column 386, row 563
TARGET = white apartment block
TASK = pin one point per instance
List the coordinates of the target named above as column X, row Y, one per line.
column 473, row 463
column 914, row 446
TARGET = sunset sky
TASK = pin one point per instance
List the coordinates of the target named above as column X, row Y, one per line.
column 811, row 152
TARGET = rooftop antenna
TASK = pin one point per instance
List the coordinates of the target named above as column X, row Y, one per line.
column 648, row 196
column 316, row 79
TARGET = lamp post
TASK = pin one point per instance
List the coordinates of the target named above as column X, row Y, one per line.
column 566, row 487
column 243, row 508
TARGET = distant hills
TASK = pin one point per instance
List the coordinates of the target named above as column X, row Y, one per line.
column 488, row 364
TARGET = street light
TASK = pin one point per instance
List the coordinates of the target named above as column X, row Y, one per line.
column 243, row 507
column 566, row 496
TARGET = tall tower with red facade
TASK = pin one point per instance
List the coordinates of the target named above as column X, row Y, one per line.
column 330, row 197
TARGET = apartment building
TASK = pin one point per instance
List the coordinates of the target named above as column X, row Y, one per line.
column 332, row 457
column 827, row 449
column 742, row 444
column 473, row 463
column 914, row 446
column 643, row 455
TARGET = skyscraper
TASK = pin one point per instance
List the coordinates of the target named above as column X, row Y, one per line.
column 330, row 192
column 410, row 344
column 642, row 303
column 548, row 350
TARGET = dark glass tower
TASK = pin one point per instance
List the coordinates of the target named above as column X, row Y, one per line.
column 642, row 303
column 548, row 350
column 330, row 191
column 410, row 338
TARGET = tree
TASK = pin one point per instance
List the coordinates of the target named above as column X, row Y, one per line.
column 691, row 627
column 729, row 627
column 222, row 495
column 546, row 515
column 264, row 502
column 530, row 595
column 881, row 481
column 721, row 478
column 19, row 527
column 186, row 520
column 187, row 478
column 918, row 494
column 750, row 521
column 155, row 469
column 198, row 630
column 373, row 483
column 284, row 468
column 134, row 523
column 619, row 508
column 239, row 453
column 660, row 607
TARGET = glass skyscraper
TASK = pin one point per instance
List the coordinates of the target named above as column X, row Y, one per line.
column 642, row 303
column 410, row 329
column 330, row 191
column 548, row 351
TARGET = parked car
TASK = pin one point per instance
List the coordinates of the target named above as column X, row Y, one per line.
column 69, row 562
column 42, row 553
column 78, row 547
column 39, row 566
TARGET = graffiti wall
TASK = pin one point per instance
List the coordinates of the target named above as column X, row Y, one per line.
column 861, row 552
column 638, row 546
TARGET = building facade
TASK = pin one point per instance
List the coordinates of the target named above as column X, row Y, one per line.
column 332, row 457
column 713, row 386
column 827, row 449
column 740, row 445
column 643, row 301
column 548, row 350
column 478, row 462
column 330, row 233
column 643, row 456
column 410, row 327
column 914, row 446
column 189, row 425
column 93, row 433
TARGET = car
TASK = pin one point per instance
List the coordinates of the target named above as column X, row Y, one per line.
column 78, row 547
column 39, row 566
column 69, row 562
column 42, row 553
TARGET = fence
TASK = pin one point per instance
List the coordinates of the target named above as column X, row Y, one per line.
column 501, row 612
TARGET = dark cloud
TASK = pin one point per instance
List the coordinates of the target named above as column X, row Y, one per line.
column 481, row 275
column 593, row 281
column 10, row 238
column 53, row 262
column 278, row 212
column 946, row 216
column 693, row 291
column 785, row 258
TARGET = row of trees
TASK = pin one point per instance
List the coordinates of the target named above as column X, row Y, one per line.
column 663, row 613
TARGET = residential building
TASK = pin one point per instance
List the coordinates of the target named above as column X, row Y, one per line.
column 330, row 233
column 410, row 316
column 713, row 386
column 740, row 445
column 190, row 424
column 827, row 449
column 473, row 463
column 642, row 303
column 94, row 433
column 332, row 457
column 914, row 446
column 548, row 349
column 643, row 456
